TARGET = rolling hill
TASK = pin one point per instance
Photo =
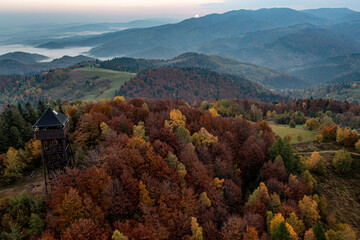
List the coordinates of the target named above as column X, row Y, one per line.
column 22, row 57
column 284, row 49
column 25, row 63
column 191, row 84
column 268, row 77
column 351, row 29
column 332, row 70
column 76, row 82
column 342, row 91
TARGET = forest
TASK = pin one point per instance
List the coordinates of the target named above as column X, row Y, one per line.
column 162, row 169
column 191, row 84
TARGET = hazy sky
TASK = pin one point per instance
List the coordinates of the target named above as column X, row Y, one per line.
column 125, row 10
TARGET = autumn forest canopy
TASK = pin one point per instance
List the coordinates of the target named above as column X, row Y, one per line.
column 162, row 169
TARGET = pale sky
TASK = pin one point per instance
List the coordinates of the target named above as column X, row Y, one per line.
column 127, row 10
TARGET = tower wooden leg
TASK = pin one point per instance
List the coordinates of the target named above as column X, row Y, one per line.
column 44, row 167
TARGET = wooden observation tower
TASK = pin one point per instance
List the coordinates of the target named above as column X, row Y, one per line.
column 52, row 129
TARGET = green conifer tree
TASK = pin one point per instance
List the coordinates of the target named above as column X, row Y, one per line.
column 319, row 231
column 281, row 233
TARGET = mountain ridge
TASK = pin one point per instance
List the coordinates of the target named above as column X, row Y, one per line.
column 265, row 76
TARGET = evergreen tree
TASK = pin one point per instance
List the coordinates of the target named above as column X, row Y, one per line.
column 14, row 234
column 21, row 109
column 15, row 139
column 31, row 115
column 4, row 144
column 283, row 148
column 41, row 108
column 319, row 231
column 281, row 233
column 36, row 224
column 16, row 130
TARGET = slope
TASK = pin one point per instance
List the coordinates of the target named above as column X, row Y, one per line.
column 345, row 201
column 268, row 77
column 76, row 82
column 191, row 84
column 332, row 70
column 295, row 47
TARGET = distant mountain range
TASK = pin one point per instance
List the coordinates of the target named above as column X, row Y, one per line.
column 26, row 63
column 35, row 34
column 278, row 38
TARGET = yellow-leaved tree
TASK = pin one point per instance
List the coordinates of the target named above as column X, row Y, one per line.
column 144, row 195
column 296, row 223
column 260, row 193
column 316, row 162
column 119, row 236
column 177, row 119
column 204, row 200
column 14, row 165
column 197, row 231
column 119, row 98
column 139, row 131
column 203, row 138
column 309, row 211
column 213, row 112
column 275, row 223
column 71, row 209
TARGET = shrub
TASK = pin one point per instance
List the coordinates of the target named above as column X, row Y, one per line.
column 357, row 145
column 346, row 137
column 292, row 124
column 79, row 94
column 319, row 138
column 329, row 132
column 312, row 124
column 316, row 162
column 299, row 117
column 342, row 161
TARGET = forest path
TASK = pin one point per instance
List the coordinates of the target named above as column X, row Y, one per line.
column 327, row 151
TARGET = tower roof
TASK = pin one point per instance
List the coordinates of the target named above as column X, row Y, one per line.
column 51, row 118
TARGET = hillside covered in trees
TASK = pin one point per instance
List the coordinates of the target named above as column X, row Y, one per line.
column 341, row 91
column 268, row 77
column 190, row 84
column 160, row 169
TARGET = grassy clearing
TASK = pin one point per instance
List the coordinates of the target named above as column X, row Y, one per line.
column 283, row 130
column 342, row 192
column 104, row 83
column 34, row 186
column 117, row 80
